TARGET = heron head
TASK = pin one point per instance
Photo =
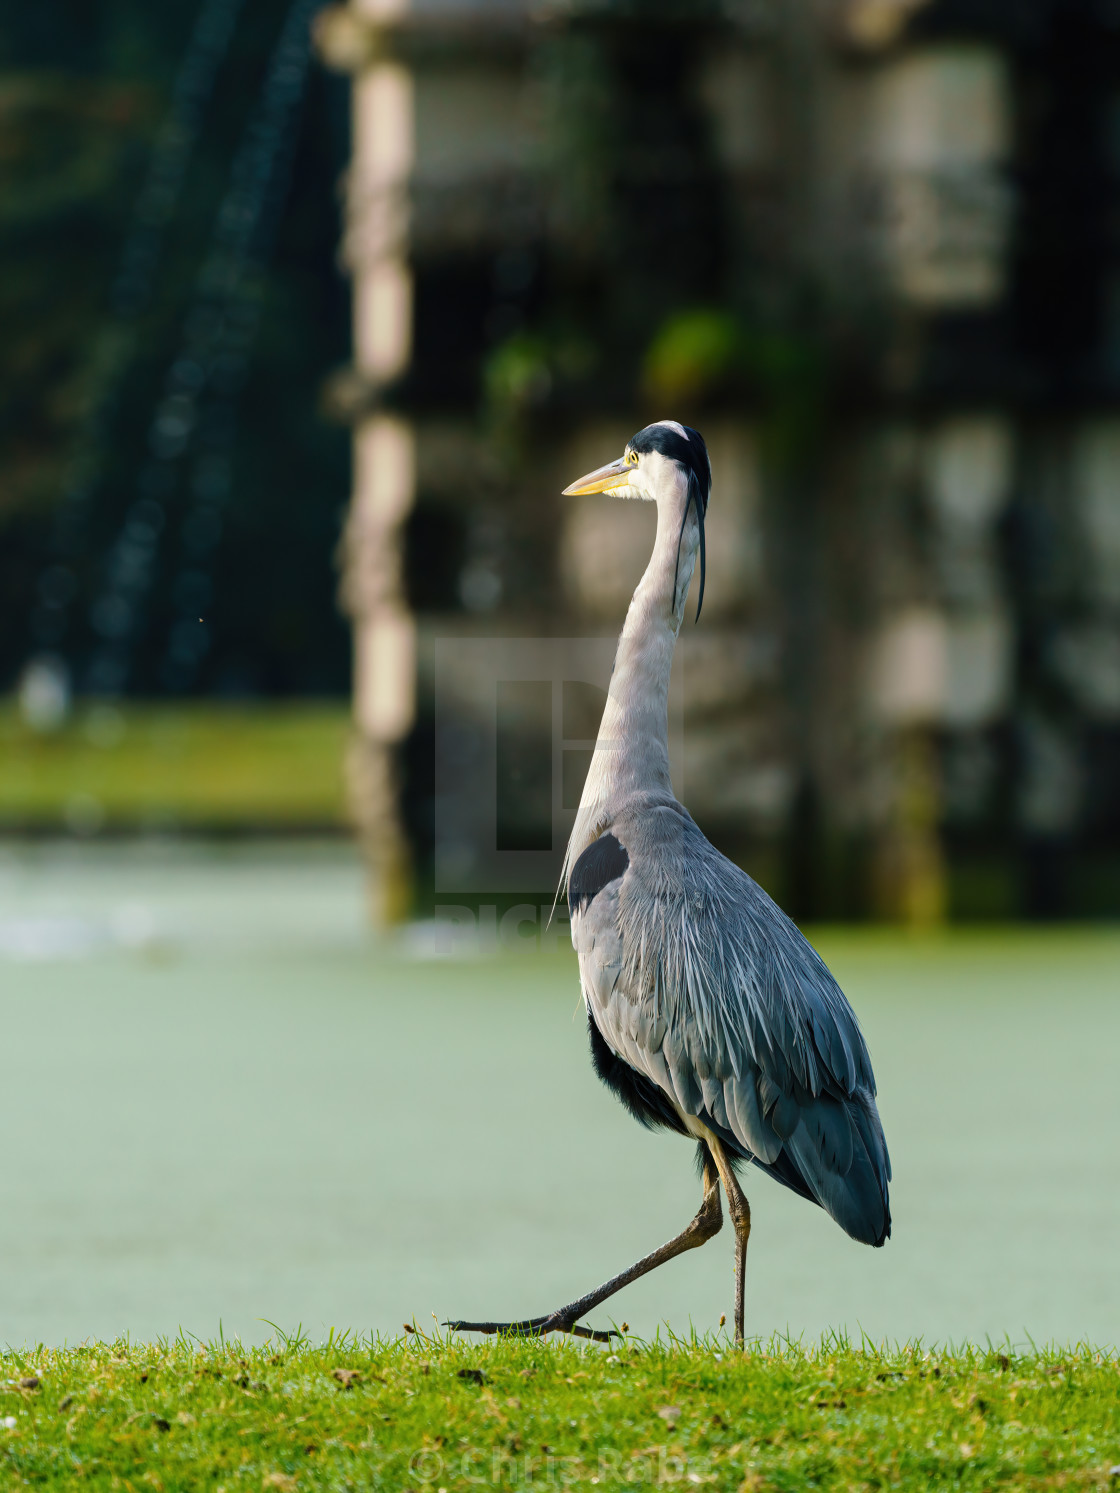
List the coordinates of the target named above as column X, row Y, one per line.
column 665, row 462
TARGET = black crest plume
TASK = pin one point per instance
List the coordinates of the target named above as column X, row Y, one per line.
column 694, row 500
column 691, row 453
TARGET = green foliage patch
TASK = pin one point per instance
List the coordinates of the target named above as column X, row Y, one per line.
column 425, row 1412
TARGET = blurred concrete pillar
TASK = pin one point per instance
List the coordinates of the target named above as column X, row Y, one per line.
column 384, row 655
column 941, row 672
column 908, row 688
column 384, row 473
column 939, row 132
column 909, row 881
column 936, row 130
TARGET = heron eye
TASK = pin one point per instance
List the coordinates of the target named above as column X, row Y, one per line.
column 632, row 458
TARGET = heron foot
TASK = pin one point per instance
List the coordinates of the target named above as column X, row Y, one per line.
column 561, row 1321
column 566, row 1318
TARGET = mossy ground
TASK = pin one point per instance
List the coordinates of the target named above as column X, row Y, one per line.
column 428, row 1413
column 196, row 765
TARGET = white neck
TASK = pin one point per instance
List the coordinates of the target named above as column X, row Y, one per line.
column 632, row 749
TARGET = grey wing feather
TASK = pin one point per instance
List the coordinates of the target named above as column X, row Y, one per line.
column 698, row 981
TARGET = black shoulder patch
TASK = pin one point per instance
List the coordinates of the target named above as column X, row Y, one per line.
column 603, row 861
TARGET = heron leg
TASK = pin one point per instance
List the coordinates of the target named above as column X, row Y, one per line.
column 740, row 1211
column 706, row 1224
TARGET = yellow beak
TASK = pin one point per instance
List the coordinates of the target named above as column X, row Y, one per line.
column 603, row 479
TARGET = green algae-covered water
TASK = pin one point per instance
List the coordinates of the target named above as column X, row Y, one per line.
column 222, row 1102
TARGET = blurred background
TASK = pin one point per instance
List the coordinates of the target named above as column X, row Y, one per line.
column 310, row 312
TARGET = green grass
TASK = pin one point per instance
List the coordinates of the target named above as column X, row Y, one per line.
column 427, row 1413
column 198, row 765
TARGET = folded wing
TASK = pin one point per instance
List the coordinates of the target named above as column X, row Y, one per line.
column 700, row 985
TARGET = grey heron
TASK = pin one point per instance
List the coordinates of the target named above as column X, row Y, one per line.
column 709, row 1013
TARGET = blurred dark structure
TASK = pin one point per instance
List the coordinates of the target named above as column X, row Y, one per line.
column 868, row 248
column 171, row 304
